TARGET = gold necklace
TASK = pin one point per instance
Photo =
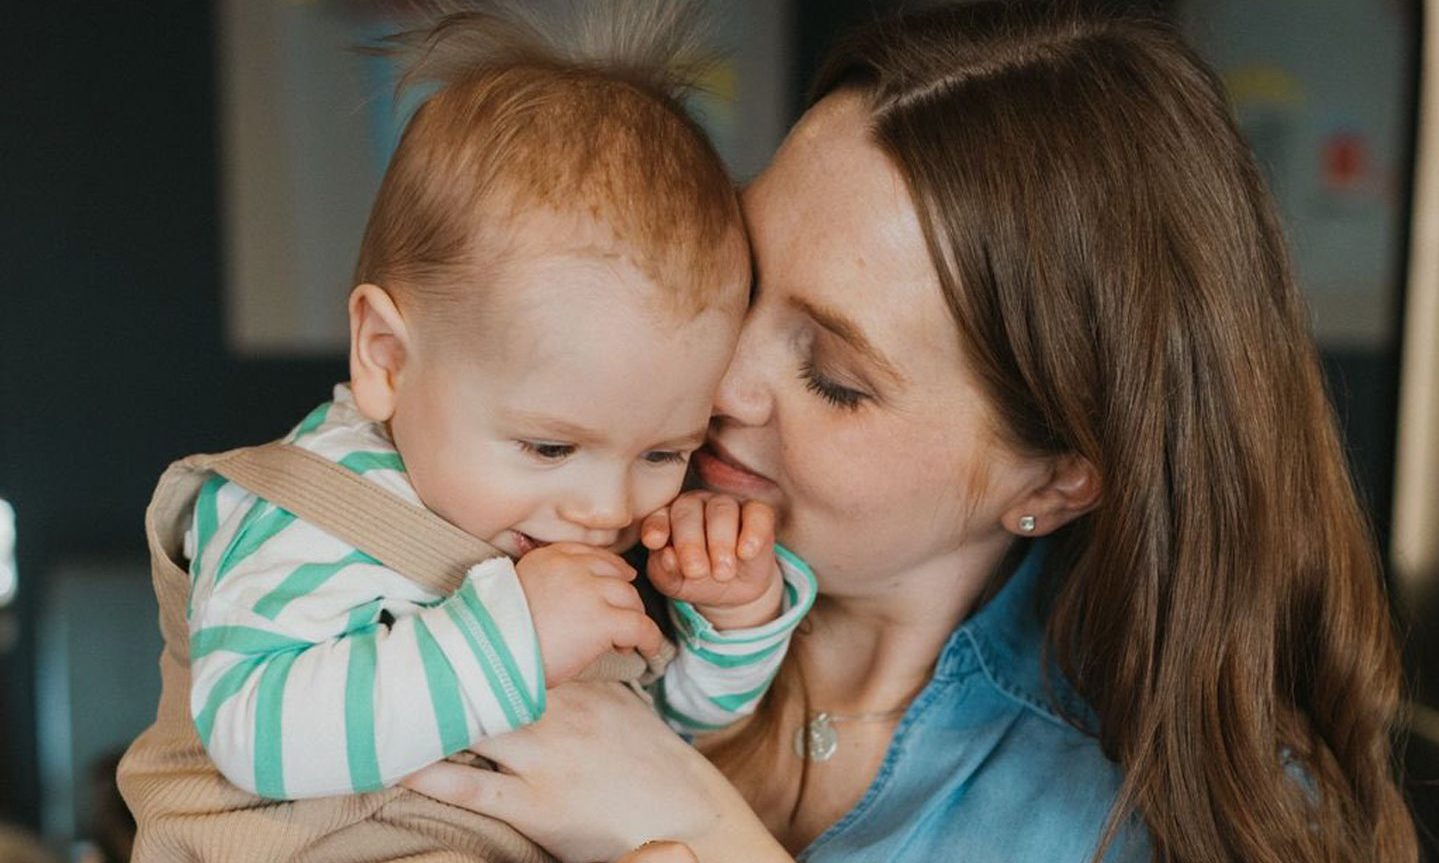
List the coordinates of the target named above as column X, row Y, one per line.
column 816, row 739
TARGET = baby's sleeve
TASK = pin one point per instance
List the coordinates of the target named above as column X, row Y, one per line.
column 317, row 671
column 718, row 677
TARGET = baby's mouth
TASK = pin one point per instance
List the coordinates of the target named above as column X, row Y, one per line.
column 524, row 543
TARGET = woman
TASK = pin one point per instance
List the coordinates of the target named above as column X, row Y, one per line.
column 1018, row 277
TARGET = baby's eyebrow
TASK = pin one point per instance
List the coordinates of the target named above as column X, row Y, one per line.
column 689, row 441
column 560, row 428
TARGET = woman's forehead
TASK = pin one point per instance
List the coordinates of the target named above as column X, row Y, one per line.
column 831, row 220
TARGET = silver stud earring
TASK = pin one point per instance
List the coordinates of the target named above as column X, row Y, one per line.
column 1026, row 524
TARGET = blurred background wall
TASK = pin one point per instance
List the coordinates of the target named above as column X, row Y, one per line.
column 137, row 282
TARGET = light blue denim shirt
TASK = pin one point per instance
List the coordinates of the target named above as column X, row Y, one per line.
column 983, row 767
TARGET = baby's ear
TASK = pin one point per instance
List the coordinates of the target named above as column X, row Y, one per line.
column 379, row 348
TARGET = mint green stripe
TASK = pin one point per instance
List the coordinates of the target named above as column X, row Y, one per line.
column 207, row 516
column 365, row 615
column 725, row 661
column 255, row 530
column 207, row 522
column 224, row 689
column 245, row 640
column 360, row 714
column 493, row 675
column 734, row 702
column 361, row 462
column 502, row 650
column 795, row 561
column 313, row 420
column 541, row 703
column 269, row 728
column 305, row 579
column 444, row 692
column 669, row 711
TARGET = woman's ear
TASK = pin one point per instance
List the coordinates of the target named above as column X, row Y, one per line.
column 1071, row 490
column 379, row 349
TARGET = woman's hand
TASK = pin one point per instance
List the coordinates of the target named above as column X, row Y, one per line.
column 600, row 775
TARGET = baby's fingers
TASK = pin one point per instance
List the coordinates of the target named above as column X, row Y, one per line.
column 687, row 535
column 634, row 630
column 621, row 595
column 664, row 572
column 655, row 529
column 721, row 528
column 756, row 531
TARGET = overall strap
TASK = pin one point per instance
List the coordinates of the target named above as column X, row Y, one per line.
column 408, row 539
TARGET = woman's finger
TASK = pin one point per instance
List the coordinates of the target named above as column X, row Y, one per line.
column 721, row 533
column 485, row 791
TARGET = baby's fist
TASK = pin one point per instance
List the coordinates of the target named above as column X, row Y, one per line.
column 583, row 605
column 717, row 553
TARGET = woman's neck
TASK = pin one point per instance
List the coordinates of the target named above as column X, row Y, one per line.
column 875, row 652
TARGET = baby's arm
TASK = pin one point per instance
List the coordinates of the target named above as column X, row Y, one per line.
column 736, row 600
column 312, row 678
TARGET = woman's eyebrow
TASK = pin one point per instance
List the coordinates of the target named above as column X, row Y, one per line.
column 849, row 332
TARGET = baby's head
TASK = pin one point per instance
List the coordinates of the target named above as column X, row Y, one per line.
column 552, row 279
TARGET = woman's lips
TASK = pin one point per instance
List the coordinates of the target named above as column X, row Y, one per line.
column 720, row 471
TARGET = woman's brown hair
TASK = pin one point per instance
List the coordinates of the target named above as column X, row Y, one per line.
column 1120, row 282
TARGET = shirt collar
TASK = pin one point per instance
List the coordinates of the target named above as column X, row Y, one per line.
column 1007, row 636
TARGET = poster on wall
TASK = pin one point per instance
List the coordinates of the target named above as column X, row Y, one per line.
column 308, row 123
column 1318, row 87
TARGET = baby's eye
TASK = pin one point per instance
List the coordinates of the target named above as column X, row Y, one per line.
column 661, row 456
column 547, row 451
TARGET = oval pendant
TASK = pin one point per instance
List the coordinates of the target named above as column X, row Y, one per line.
column 816, row 740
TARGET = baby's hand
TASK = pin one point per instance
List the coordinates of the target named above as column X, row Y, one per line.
column 583, row 605
column 713, row 551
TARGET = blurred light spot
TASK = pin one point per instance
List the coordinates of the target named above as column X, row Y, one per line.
column 9, row 578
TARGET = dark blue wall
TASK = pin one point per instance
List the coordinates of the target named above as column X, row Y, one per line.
column 111, row 354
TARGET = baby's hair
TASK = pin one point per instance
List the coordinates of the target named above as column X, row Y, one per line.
column 574, row 107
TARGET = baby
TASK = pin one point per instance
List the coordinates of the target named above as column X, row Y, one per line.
column 549, row 289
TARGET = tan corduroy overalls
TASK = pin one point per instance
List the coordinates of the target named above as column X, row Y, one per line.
column 184, row 809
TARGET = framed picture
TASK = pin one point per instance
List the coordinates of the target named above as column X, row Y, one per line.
column 308, row 123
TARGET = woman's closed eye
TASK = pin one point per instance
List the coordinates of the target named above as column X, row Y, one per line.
column 835, row 393
column 547, row 451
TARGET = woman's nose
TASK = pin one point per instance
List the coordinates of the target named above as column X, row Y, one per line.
column 744, row 393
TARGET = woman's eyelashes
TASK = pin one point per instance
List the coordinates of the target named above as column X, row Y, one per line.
column 836, row 394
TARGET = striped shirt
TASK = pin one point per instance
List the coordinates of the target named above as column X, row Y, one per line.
column 317, row 671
